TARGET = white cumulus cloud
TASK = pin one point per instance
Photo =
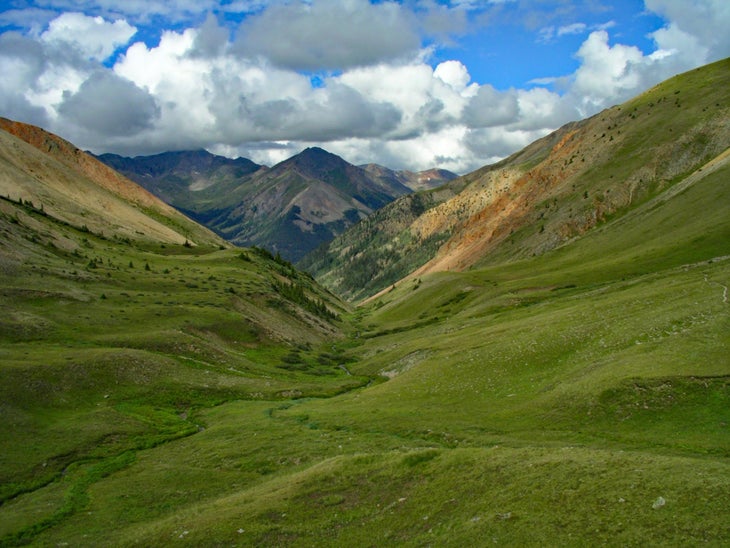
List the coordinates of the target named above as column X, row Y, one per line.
column 606, row 71
column 453, row 73
column 95, row 37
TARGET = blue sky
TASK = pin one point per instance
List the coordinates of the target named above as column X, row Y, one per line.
column 525, row 44
column 411, row 84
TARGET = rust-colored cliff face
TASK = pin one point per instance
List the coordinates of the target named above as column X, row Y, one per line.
column 77, row 159
column 48, row 171
column 590, row 171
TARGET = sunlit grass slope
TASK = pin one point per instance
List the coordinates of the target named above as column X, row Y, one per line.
column 575, row 398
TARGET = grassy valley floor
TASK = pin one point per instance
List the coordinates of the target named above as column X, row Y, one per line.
column 576, row 398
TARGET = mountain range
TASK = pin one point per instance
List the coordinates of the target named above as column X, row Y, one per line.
column 541, row 358
column 289, row 209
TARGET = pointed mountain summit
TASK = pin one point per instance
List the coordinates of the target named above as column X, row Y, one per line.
column 371, row 190
column 315, row 162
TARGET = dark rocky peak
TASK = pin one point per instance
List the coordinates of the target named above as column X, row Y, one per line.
column 315, row 162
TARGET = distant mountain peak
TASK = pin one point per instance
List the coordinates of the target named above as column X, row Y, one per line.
column 316, row 161
column 415, row 180
column 317, row 150
column 315, row 153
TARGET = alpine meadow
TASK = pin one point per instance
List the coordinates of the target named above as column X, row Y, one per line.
column 535, row 353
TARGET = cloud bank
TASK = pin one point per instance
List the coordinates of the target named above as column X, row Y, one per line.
column 358, row 78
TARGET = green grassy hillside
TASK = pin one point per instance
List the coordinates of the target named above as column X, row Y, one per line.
column 576, row 397
column 111, row 347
